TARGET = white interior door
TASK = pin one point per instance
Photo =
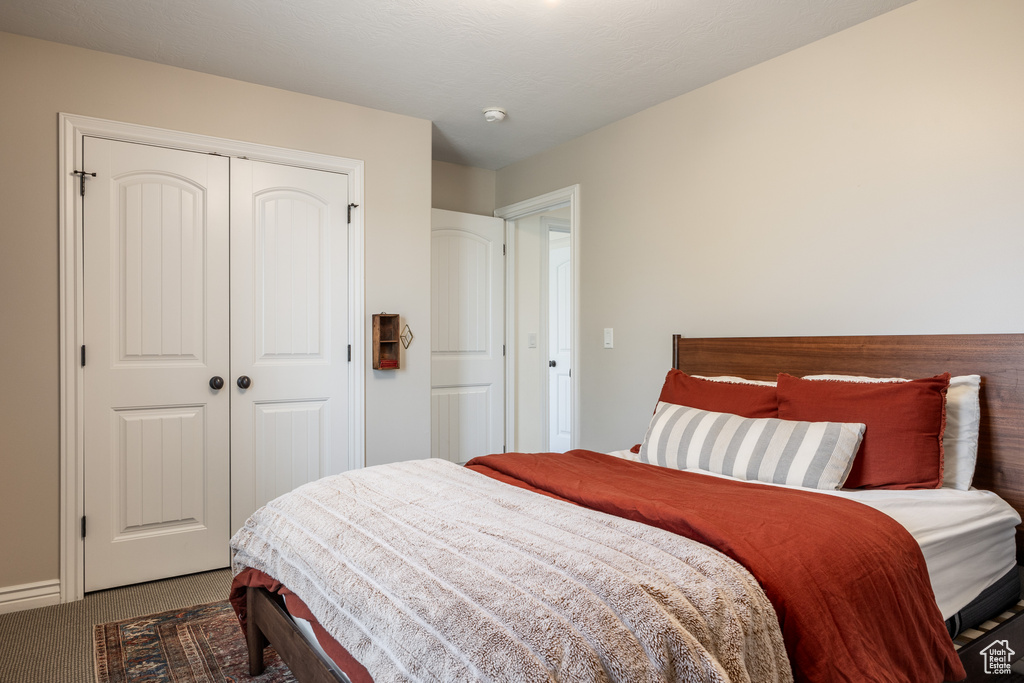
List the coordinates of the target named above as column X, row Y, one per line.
column 155, row 333
column 559, row 416
column 289, row 330
column 467, row 370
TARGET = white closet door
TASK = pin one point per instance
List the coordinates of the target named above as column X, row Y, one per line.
column 467, row 330
column 289, row 330
column 156, row 332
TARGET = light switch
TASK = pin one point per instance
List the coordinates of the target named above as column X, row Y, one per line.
column 531, row 340
column 609, row 342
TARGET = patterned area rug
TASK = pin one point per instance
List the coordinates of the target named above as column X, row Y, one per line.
column 201, row 643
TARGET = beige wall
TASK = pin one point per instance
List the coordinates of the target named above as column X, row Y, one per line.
column 872, row 182
column 39, row 79
column 463, row 188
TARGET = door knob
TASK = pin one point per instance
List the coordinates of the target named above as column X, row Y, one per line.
column 216, row 383
column 552, row 363
column 244, row 382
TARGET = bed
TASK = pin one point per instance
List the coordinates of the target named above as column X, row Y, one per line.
column 996, row 358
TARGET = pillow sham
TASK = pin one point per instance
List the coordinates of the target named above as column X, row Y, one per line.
column 902, row 445
column 745, row 400
column 810, row 454
column 963, row 423
column 744, row 397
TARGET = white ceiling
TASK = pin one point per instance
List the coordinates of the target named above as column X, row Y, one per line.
column 560, row 67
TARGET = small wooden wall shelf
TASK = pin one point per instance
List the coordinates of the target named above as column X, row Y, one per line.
column 386, row 341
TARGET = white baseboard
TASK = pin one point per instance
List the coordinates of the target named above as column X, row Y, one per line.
column 29, row 595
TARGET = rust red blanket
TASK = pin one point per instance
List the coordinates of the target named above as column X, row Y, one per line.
column 848, row 583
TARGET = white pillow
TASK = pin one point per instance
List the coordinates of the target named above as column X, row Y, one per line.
column 811, row 454
column 737, row 380
column 963, row 421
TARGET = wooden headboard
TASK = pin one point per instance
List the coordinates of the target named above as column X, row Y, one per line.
column 998, row 358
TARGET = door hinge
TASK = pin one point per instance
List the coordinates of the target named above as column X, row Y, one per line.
column 83, row 526
column 81, row 180
column 350, row 207
column 83, row 355
column 503, row 253
column 349, row 353
column 502, row 349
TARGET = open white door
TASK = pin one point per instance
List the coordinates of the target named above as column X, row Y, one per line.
column 559, row 280
column 155, row 333
column 289, row 330
column 467, row 370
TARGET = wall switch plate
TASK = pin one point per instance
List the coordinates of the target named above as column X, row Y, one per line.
column 609, row 342
column 531, row 340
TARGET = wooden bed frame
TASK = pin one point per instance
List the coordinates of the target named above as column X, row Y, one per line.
column 999, row 359
column 269, row 623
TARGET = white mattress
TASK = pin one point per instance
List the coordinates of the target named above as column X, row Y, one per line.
column 968, row 538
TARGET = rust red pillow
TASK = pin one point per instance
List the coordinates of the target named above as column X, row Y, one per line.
column 902, row 446
column 745, row 400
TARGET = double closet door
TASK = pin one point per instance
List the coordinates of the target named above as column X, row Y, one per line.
column 216, row 334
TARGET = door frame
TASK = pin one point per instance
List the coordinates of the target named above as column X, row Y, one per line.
column 567, row 196
column 72, row 131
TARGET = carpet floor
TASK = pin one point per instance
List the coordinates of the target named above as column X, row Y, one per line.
column 54, row 644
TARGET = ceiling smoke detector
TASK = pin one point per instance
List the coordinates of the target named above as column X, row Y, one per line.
column 494, row 114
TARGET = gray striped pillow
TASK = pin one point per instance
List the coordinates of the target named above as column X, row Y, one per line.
column 812, row 454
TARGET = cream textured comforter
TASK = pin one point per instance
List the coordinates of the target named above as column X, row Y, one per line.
column 426, row 571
